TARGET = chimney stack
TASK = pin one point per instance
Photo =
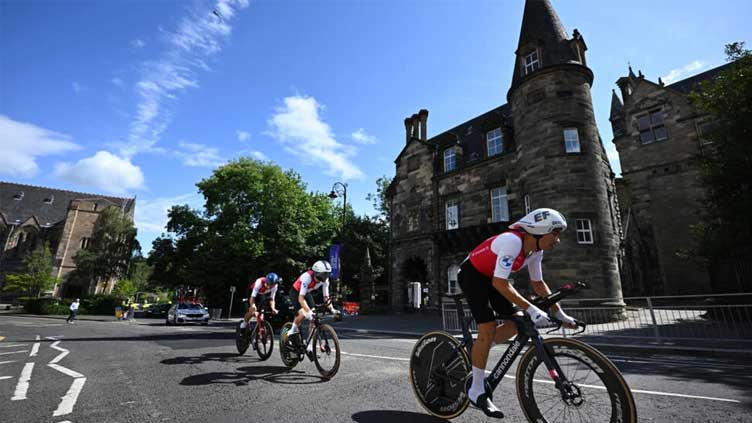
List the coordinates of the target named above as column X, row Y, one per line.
column 423, row 114
column 416, row 125
column 408, row 125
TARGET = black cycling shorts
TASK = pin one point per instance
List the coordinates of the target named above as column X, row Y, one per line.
column 481, row 295
column 261, row 300
column 294, row 294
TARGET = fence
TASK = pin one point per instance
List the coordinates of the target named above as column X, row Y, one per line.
column 726, row 318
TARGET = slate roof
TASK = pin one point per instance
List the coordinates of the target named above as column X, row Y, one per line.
column 693, row 82
column 472, row 133
column 48, row 205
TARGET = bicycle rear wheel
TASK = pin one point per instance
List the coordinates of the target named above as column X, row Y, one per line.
column 439, row 372
column 326, row 351
column 242, row 338
column 264, row 341
column 602, row 393
column 286, row 350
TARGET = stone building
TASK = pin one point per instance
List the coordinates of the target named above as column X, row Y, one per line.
column 540, row 149
column 658, row 134
column 31, row 216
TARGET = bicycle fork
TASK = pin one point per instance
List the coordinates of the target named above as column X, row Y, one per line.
column 570, row 393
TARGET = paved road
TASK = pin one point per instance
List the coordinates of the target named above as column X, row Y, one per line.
column 146, row 372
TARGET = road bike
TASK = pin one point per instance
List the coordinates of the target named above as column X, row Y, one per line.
column 325, row 345
column 557, row 379
column 261, row 336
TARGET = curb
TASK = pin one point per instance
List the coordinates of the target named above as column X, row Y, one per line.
column 60, row 317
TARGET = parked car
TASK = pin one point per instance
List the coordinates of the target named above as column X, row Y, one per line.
column 187, row 313
column 158, row 310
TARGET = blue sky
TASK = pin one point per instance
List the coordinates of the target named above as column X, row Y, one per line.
column 145, row 98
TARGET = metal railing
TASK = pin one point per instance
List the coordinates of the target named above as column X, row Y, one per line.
column 707, row 318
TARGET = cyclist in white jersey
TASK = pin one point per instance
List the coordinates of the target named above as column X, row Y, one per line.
column 315, row 278
column 263, row 289
column 484, row 276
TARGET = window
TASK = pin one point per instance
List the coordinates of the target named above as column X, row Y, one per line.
column 452, row 286
column 584, row 231
column 571, row 140
column 495, row 142
column 18, row 196
column 452, row 215
column 527, row 203
column 413, row 221
column 531, row 63
column 499, row 205
column 450, row 159
column 50, row 199
column 85, row 243
column 706, row 131
column 651, row 127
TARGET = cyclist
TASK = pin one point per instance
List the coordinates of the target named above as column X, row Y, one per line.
column 484, row 276
column 300, row 294
column 267, row 287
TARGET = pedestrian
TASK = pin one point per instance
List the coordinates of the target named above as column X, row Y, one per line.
column 73, row 311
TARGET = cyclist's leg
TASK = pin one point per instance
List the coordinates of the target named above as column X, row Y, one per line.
column 503, row 307
column 248, row 314
column 299, row 316
column 477, row 288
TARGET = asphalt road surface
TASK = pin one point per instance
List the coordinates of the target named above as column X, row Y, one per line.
column 143, row 371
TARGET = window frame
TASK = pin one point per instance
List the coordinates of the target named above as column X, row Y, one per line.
column 452, row 276
column 652, row 126
column 586, row 232
column 526, row 200
column 495, row 139
column 450, row 156
column 503, row 196
column 448, row 205
column 567, row 141
column 533, row 65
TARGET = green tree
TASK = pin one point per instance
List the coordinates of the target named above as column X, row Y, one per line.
column 379, row 199
column 112, row 247
column 36, row 277
column 726, row 164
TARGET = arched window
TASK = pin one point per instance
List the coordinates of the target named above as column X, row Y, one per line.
column 452, row 286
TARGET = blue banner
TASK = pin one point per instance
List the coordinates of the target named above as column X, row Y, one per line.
column 334, row 260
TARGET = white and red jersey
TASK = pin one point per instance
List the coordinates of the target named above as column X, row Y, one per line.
column 502, row 254
column 307, row 283
column 261, row 287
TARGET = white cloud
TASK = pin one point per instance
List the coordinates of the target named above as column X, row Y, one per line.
column 259, row 155
column 23, row 143
column 197, row 38
column 117, row 81
column 300, row 130
column 243, row 135
column 677, row 74
column 77, row 88
column 137, row 43
column 361, row 137
column 199, row 155
column 151, row 214
column 103, row 171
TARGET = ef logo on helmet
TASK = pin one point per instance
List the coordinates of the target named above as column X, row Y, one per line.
column 541, row 216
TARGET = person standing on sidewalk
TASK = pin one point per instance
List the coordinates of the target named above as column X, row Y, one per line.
column 73, row 311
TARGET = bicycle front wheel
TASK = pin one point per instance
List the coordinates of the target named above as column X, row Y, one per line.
column 439, row 372
column 264, row 341
column 242, row 339
column 600, row 392
column 326, row 349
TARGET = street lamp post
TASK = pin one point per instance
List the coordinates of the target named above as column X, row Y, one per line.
column 338, row 189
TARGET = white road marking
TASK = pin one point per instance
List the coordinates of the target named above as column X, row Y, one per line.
column 70, row 398
column 61, row 355
column 35, row 348
column 23, row 383
column 6, row 362
column 13, row 352
column 67, row 371
column 6, row 377
column 12, row 345
column 376, row 356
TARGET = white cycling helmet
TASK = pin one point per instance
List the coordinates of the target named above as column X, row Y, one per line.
column 321, row 270
column 541, row 222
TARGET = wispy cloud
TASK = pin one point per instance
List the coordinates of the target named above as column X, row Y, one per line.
column 301, row 131
column 243, row 135
column 677, row 74
column 117, row 81
column 24, row 142
column 77, row 88
column 103, row 171
column 137, row 43
column 151, row 214
column 199, row 155
column 197, row 38
column 361, row 137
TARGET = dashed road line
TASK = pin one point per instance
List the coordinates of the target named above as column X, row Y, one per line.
column 13, row 352
column 60, row 356
column 70, row 398
column 22, row 387
column 35, row 348
column 6, row 377
column 6, row 362
column 12, row 345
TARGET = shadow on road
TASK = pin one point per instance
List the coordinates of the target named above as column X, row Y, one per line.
column 245, row 375
column 391, row 416
column 211, row 357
